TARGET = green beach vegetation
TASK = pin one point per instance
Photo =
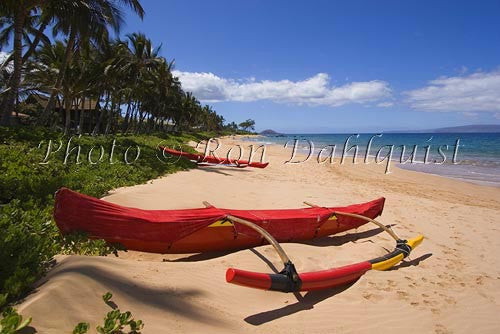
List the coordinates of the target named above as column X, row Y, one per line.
column 115, row 322
column 30, row 238
column 96, row 88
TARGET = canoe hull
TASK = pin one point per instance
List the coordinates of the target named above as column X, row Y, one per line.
column 200, row 158
column 198, row 230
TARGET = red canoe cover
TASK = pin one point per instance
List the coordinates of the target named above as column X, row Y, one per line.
column 78, row 212
column 101, row 219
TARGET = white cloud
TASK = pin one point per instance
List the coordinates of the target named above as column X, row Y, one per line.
column 385, row 104
column 473, row 93
column 3, row 56
column 313, row 91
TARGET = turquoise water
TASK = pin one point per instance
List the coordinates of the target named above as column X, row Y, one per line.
column 476, row 159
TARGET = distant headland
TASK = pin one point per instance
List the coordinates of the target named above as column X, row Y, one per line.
column 476, row 128
column 269, row 132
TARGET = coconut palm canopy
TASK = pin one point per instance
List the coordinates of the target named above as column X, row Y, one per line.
column 128, row 83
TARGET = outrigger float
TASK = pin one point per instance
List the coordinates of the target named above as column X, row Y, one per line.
column 201, row 159
column 216, row 229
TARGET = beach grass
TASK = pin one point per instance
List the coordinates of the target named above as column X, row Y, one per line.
column 29, row 177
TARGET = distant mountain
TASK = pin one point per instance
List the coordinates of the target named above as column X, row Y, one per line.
column 477, row 128
column 470, row 128
column 269, row 132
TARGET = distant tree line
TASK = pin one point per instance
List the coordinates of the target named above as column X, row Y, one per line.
column 131, row 85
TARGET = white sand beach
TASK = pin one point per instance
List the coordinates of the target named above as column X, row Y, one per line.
column 450, row 284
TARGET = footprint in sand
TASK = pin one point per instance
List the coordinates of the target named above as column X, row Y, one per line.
column 480, row 280
column 440, row 329
column 430, row 302
column 391, row 283
column 372, row 297
column 450, row 300
column 436, row 311
column 402, row 294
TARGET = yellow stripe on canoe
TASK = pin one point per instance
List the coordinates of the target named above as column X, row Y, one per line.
column 221, row 223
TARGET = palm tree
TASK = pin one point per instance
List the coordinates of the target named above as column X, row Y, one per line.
column 18, row 11
column 161, row 94
column 84, row 20
column 87, row 65
column 34, row 25
column 248, row 124
column 143, row 58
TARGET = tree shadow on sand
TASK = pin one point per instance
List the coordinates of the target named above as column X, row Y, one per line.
column 171, row 300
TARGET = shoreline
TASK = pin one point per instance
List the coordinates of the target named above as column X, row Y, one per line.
column 450, row 283
column 447, row 170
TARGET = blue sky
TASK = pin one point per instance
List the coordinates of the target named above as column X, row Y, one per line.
column 328, row 66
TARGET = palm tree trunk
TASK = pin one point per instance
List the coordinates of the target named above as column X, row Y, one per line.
column 142, row 115
column 101, row 116
column 117, row 115
column 133, row 117
column 26, row 56
column 67, row 109
column 127, row 115
column 19, row 18
column 110, row 117
column 66, row 61
column 133, row 121
column 151, row 124
column 54, row 121
column 82, row 112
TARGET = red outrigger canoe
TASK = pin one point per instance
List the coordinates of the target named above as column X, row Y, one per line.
column 198, row 230
column 201, row 158
column 215, row 229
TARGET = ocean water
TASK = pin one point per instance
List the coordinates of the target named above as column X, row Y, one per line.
column 473, row 157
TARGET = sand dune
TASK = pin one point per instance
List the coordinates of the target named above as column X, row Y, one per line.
column 451, row 283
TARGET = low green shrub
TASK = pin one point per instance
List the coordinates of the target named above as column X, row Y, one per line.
column 12, row 322
column 27, row 244
column 29, row 237
column 115, row 322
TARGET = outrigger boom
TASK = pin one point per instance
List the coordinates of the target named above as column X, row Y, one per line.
column 289, row 280
column 215, row 229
